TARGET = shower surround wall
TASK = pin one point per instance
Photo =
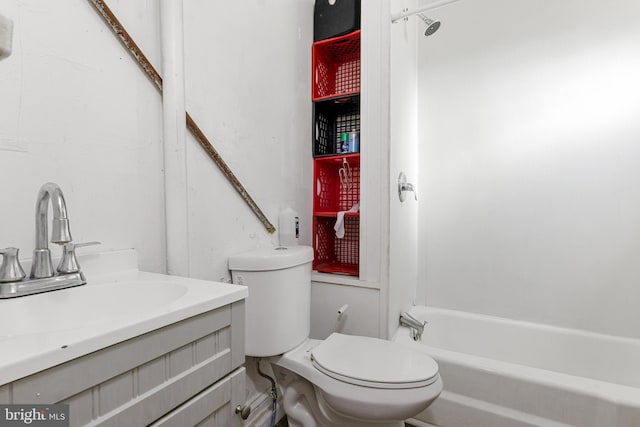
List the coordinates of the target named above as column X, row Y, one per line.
column 403, row 155
column 530, row 162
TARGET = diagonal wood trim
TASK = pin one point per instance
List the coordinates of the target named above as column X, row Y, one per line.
column 128, row 42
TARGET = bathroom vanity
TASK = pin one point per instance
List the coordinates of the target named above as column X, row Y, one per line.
column 128, row 348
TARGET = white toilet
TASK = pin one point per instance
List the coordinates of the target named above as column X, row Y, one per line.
column 343, row 380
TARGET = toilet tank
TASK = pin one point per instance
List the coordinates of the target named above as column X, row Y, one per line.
column 278, row 309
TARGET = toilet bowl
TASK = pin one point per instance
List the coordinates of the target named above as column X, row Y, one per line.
column 358, row 379
column 344, row 380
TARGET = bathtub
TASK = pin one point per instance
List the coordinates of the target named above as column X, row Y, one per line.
column 505, row 373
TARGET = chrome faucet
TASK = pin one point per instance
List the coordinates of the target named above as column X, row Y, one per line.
column 43, row 278
column 415, row 326
column 60, row 233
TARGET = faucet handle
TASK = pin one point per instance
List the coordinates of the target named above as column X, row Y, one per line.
column 69, row 262
column 10, row 270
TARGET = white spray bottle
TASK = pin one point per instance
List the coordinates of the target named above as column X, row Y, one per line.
column 288, row 227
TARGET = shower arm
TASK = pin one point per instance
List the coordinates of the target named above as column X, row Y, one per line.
column 433, row 5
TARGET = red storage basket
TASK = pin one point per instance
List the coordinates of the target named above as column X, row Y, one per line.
column 331, row 194
column 333, row 255
column 336, row 66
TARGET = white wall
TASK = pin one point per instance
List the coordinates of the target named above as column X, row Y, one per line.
column 248, row 84
column 403, row 217
column 530, row 162
column 361, row 317
column 75, row 110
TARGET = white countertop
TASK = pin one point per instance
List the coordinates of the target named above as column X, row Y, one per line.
column 43, row 330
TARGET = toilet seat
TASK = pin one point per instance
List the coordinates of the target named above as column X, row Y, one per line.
column 356, row 401
column 372, row 362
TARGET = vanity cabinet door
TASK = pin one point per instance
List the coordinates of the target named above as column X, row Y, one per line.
column 214, row 407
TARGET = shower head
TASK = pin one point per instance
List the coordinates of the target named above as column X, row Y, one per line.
column 432, row 26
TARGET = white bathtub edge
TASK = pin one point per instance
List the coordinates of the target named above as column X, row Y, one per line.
column 595, row 402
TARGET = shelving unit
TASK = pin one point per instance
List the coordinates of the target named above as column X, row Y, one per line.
column 336, row 111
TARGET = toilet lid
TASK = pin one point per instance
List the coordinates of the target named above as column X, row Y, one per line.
column 373, row 362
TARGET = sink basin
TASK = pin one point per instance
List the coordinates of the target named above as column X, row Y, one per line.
column 118, row 303
column 63, row 309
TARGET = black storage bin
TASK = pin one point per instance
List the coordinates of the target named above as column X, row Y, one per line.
column 335, row 20
column 331, row 118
